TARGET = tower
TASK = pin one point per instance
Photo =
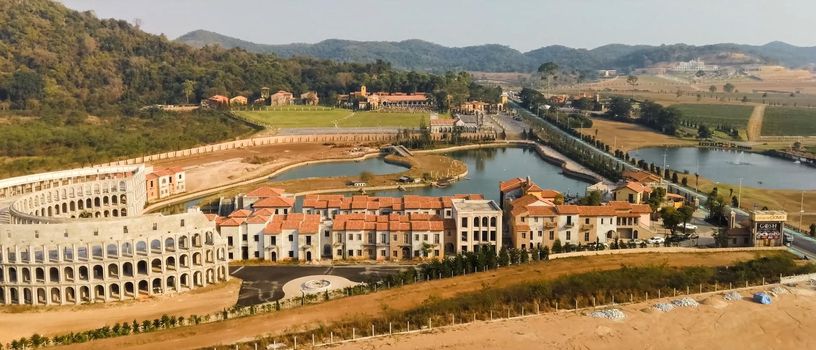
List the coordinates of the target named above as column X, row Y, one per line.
column 264, row 93
column 363, row 91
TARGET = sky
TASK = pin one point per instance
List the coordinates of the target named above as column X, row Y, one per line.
column 521, row 24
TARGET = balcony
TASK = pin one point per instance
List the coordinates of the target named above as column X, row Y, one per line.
column 587, row 227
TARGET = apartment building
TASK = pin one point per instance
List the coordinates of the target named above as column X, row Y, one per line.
column 388, row 237
column 477, row 223
column 329, row 206
column 165, row 182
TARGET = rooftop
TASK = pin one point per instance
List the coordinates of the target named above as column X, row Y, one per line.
column 475, row 205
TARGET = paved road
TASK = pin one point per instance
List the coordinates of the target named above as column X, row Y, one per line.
column 800, row 241
column 263, row 284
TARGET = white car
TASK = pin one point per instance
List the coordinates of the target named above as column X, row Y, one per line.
column 656, row 240
column 687, row 226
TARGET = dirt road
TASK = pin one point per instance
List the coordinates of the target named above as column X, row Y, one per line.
column 754, row 129
column 248, row 328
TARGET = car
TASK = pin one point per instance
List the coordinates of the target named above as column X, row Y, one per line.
column 656, row 240
column 687, row 226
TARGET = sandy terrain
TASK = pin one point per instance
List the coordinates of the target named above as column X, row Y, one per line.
column 754, row 129
column 16, row 322
column 248, row 328
column 629, row 136
column 785, row 324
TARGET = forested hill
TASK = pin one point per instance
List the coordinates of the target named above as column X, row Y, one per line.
column 426, row 56
column 54, row 60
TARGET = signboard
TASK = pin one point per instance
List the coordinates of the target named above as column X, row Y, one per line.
column 768, row 230
column 771, row 217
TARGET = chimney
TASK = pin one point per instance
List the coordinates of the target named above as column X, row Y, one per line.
column 528, row 179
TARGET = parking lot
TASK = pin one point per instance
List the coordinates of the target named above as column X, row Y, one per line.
column 263, row 284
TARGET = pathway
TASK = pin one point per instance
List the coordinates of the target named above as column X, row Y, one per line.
column 754, row 129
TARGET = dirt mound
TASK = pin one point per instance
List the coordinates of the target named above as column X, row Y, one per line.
column 715, row 302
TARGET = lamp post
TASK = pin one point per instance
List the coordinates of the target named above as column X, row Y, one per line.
column 739, row 194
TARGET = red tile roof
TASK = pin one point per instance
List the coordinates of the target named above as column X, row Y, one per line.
column 266, row 191
column 274, row 202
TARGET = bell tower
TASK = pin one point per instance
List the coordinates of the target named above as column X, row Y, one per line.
column 363, row 91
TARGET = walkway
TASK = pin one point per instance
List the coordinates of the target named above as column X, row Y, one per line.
column 754, row 129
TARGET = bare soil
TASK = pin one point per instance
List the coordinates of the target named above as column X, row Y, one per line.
column 754, row 129
column 310, row 316
column 629, row 136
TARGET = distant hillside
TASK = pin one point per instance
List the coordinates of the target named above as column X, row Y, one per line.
column 426, row 56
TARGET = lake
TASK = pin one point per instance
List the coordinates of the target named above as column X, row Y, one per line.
column 728, row 166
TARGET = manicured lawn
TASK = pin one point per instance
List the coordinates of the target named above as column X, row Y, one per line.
column 789, row 121
column 327, row 118
column 712, row 115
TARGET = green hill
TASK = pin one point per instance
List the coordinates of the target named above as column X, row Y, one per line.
column 426, row 56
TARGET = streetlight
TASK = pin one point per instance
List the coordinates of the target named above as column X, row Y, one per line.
column 739, row 194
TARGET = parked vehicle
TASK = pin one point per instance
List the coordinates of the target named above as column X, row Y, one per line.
column 656, row 240
column 687, row 226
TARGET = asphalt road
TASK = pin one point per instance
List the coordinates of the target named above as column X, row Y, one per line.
column 263, row 284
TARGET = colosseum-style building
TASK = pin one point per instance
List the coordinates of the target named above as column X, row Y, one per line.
column 79, row 236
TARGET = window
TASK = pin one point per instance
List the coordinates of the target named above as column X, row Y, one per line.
column 124, row 229
column 586, row 236
column 568, row 235
column 475, row 222
column 350, row 252
column 569, row 220
column 475, row 235
column 243, row 238
column 552, row 235
column 524, row 235
column 492, row 235
column 464, row 222
column 359, row 238
column 631, row 198
column 291, row 238
column 382, row 252
column 493, row 221
column 407, row 238
column 464, row 249
column 308, row 240
column 447, row 213
column 256, row 255
column 351, row 237
column 229, row 240
column 425, row 237
column 291, row 254
column 464, row 236
column 436, row 252
column 182, row 222
column 522, row 219
column 586, row 221
column 383, row 239
column 609, row 234
column 255, row 238
column 436, row 238
column 274, row 240
column 359, row 252
column 416, row 238
column 395, row 237
column 326, row 234
column 540, row 234
column 484, row 221
column 635, row 234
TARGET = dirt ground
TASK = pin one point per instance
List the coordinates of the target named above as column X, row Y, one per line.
column 754, row 129
column 219, row 168
column 248, row 328
column 629, row 136
column 16, row 322
column 785, row 324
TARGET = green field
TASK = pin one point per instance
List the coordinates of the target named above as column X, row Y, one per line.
column 712, row 115
column 789, row 121
column 343, row 118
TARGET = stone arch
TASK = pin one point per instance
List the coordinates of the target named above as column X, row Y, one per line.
column 156, row 286
column 197, row 259
column 141, row 248
column 219, row 254
column 112, row 250
column 208, row 238
column 56, row 296
column 39, row 275
column 98, row 214
column 14, row 296
column 88, row 205
column 484, row 221
column 115, row 212
column 42, row 296
column 98, row 272
column 222, row 273
column 114, row 291
column 106, row 213
column 68, row 274
column 97, row 202
column 83, row 273
column 26, row 275
column 105, row 200
column 170, row 263
column 184, row 242
column 273, row 256
column 122, row 199
column 184, row 260
column 12, row 272
column 70, row 295
column 210, row 276
column 2, row 295
column 156, row 246
column 127, row 269
column 27, row 297
column 197, row 240
column 85, row 294
column 96, row 251
column 171, row 283
column 80, row 204
column 2, row 276
column 169, row 244
column 53, row 275
column 123, row 212
column 476, row 221
column 127, row 249
column 99, row 293
column 129, row 291
column 156, row 265
column 141, row 267
column 208, row 256
column 115, row 200
column 198, row 279
column 184, row 281
column 72, row 206
column 64, row 207
column 144, row 287
column 113, row 270
column 493, row 221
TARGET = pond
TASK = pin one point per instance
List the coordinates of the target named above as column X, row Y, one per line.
column 374, row 165
column 728, row 166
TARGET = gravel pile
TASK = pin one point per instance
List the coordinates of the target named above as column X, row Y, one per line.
column 732, row 296
column 665, row 307
column 685, row 302
column 610, row 314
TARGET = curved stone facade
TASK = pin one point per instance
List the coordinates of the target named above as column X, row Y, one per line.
column 78, row 236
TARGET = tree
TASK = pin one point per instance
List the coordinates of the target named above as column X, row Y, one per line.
column 813, row 229
column 684, row 181
column 592, row 198
column 504, row 257
column 188, row 87
column 699, row 74
column 712, row 89
column 25, row 85
column 619, row 108
column 548, row 71
column 656, row 198
column 632, row 80
column 735, row 202
column 685, row 213
column 556, row 247
column 674, row 178
column 671, row 218
column 728, row 87
column 703, row 132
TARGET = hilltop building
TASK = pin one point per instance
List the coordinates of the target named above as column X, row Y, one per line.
column 281, row 98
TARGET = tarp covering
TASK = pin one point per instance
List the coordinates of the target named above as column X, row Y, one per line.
column 762, row 298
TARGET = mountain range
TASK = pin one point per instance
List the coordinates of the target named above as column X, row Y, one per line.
column 426, row 56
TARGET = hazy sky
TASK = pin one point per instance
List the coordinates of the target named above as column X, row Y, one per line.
column 520, row 24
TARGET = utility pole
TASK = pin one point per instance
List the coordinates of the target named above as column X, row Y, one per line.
column 801, row 210
column 739, row 194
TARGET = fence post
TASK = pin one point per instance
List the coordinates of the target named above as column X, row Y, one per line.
column 613, row 299
column 730, row 286
column 353, row 333
column 763, row 281
column 674, row 290
column 576, row 304
column 331, row 337
column 556, row 306
column 389, row 328
column 313, row 342
column 716, row 286
column 295, row 347
column 522, row 311
column 647, row 295
column 658, row 293
column 453, row 319
column 593, row 302
column 409, row 327
column 491, row 315
column 746, row 283
column 372, row 329
column 701, row 288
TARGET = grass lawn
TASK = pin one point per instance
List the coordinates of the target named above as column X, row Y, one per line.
column 327, row 118
column 713, row 115
column 789, row 121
